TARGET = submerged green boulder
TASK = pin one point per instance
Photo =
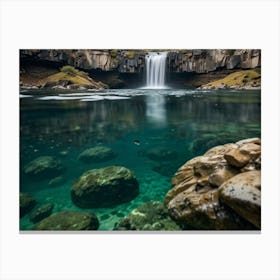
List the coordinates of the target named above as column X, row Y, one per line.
column 160, row 154
column 44, row 167
column 151, row 216
column 104, row 187
column 69, row 220
column 41, row 212
column 97, row 154
column 26, row 202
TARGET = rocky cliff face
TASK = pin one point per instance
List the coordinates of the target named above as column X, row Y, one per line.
column 133, row 61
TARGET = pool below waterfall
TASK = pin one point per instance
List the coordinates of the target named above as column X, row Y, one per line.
column 139, row 125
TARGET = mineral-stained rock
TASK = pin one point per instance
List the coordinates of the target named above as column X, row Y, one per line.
column 41, row 212
column 149, row 216
column 26, row 202
column 69, row 220
column 242, row 193
column 255, row 140
column 43, row 167
column 194, row 197
column 97, row 154
column 242, row 156
column 202, row 210
column 220, row 175
column 104, row 187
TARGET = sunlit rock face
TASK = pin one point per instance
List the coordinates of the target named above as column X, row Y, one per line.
column 220, row 189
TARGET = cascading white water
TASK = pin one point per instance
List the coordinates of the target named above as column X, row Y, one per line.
column 155, row 69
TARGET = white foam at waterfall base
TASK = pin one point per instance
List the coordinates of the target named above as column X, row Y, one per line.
column 155, row 70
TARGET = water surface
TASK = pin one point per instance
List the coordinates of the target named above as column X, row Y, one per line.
column 187, row 122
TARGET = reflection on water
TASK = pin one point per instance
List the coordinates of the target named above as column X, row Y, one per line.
column 156, row 109
column 185, row 122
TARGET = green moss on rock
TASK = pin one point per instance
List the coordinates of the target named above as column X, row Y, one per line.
column 104, row 187
column 151, row 216
column 69, row 220
column 130, row 54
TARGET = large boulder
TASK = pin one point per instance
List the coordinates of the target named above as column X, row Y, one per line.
column 242, row 193
column 149, row 216
column 104, row 187
column 26, row 203
column 41, row 212
column 69, row 220
column 44, row 167
column 194, row 198
column 97, row 154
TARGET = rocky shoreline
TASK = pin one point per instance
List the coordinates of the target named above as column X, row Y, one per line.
column 220, row 190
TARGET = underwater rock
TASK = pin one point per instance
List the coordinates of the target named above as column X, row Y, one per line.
column 104, row 187
column 97, row 154
column 44, row 167
column 206, row 142
column 159, row 154
column 149, row 216
column 57, row 181
column 242, row 193
column 194, row 198
column 26, row 202
column 41, row 212
column 165, row 169
column 69, row 220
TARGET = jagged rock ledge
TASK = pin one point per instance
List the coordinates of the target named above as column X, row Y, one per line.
column 133, row 61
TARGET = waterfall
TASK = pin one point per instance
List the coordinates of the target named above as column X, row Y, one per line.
column 155, row 69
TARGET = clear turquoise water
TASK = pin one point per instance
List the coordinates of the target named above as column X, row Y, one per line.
column 186, row 121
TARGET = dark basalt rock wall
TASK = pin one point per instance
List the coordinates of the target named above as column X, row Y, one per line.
column 133, row 61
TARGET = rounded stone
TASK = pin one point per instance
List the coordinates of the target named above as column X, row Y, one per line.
column 242, row 193
column 69, row 220
column 57, row 181
column 104, row 187
column 97, row 154
column 41, row 212
column 44, row 167
column 27, row 203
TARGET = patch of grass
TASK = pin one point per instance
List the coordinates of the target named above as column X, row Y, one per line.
column 239, row 78
column 71, row 74
column 114, row 53
column 130, row 54
column 69, row 69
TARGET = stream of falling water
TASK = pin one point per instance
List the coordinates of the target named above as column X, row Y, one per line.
column 155, row 70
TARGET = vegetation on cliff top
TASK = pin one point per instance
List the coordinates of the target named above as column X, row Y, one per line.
column 237, row 79
column 70, row 75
